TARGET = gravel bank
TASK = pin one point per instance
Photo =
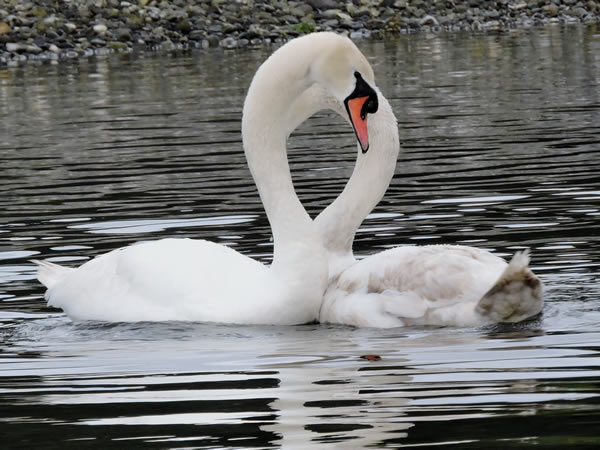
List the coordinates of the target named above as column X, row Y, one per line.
column 52, row 30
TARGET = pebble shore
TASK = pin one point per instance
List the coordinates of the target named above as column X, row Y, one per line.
column 54, row 30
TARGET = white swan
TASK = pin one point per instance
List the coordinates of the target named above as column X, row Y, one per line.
column 412, row 285
column 183, row 279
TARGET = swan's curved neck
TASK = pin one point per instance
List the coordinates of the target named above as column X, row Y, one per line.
column 277, row 84
column 365, row 188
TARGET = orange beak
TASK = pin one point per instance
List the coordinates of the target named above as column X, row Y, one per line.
column 359, row 121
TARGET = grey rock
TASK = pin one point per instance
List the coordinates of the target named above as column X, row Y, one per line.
column 302, row 10
column 116, row 45
column 184, row 26
column 15, row 47
column 576, row 12
column 213, row 41
column 229, row 42
column 33, row 49
column 100, row 28
column 197, row 35
column 492, row 25
column 330, row 13
column 323, row 4
column 290, row 19
column 123, row 34
column 52, row 35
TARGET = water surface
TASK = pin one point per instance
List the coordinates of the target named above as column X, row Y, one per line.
column 500, row 140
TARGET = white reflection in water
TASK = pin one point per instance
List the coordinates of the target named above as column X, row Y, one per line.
column 155, row 225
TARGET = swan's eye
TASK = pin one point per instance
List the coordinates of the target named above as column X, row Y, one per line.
column 371, row 105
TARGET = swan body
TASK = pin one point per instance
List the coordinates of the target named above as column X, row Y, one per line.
column 433, row 285
column 197, row 280
column 412, row 285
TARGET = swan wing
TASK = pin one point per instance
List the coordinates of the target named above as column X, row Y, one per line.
column 440, row 274
column 170, row 279
column 428, row 285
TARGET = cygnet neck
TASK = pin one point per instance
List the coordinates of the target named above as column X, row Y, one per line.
column 370, row 179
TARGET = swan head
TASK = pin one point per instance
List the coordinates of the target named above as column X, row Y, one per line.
column 344, row 71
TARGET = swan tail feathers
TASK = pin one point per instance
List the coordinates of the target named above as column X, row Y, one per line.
column 516, row 295
column 50, row 274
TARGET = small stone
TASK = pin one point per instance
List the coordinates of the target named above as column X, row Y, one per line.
column 15, row 47
column 53, row 48
column 551, row 9
column 288, row 18
column 492, row 25
column 51, row 34
column 323, row 4
column 33, row 49
column 51, row 20
column 576, row 12
column 4, row 28
column 229, row 42
column 100, row 28
column 330, row 13
column 184, row 26
column 301, row 11
column 39, row 12
column 492, row 14
column 115, row 45
column 213, row 41
column 345, row 17
column 518, row 6
column 196, row 35
column 123, row 34
column 41, row 42
column 332, row 23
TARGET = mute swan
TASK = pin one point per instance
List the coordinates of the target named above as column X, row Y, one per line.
column 412, row 285
column 197, row 280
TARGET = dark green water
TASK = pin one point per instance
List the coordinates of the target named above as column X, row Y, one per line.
column 501, row 150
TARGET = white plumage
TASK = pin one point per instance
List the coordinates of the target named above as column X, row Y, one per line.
column 433, row 285
column 183, row 279
column 412, row 285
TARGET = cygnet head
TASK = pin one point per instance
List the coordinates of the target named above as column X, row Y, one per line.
column 343, row 70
